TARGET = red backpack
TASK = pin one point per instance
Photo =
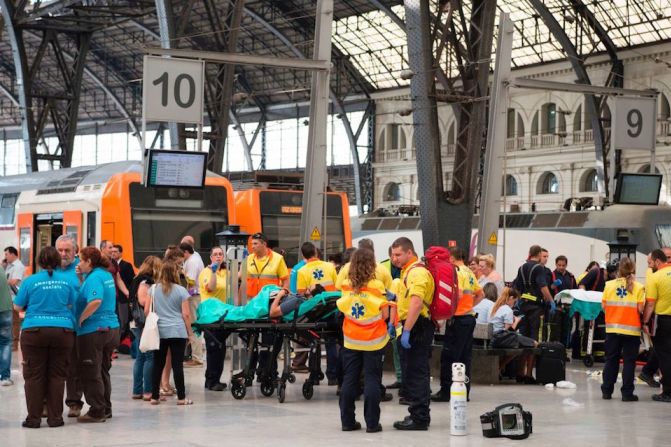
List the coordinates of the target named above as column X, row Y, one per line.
column 446, row 292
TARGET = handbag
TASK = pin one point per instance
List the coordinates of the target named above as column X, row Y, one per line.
column 150, row 339
column 504, row 340
column 137, row 312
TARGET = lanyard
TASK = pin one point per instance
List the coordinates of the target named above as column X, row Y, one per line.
column 258, row 272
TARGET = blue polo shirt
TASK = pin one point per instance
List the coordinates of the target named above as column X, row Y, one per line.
column 71, row 275
column 48, row 300
column 98, row 285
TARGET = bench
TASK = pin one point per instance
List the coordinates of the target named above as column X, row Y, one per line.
column 485, row 364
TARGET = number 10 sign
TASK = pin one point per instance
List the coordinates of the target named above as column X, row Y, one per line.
column 172, row 90
column 635, row 123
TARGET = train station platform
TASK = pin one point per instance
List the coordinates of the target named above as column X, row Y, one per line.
column 567, row 418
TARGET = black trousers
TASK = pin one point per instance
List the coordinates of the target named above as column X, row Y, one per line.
column 215, row 348
column 354, row 362
column 94, row 361
column 176, row 346
column 652, row 365
column 663, row 350
column 457, row 348
column 626, row 347
column 261, row 360
column 415, row 370
column 531, row 323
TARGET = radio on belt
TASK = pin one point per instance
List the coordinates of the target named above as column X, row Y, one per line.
column 508, row 421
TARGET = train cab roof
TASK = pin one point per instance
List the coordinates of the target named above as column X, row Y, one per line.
column 68, row 179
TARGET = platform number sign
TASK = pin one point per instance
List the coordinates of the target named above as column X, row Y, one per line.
column 173, row 90
column 634, row 126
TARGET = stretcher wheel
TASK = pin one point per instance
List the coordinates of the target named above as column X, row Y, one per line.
column 308, row 390
column 321, row 375
column 282, row 393
column 267, row 389
column 291, row 378
column 588, row 361
column 238, row 390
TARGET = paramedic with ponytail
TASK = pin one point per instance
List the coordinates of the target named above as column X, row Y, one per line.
column 415, row 341
column 623, row 302
column 365, row 309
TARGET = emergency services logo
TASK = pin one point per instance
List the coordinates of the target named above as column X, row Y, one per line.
column 621, row 292
column 317, row 274
column 357, row 310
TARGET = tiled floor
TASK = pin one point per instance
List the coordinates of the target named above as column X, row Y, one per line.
column 560, row 418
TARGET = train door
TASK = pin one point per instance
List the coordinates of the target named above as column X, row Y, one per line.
column 48, row 228
column 24, row 227
column 72, row 224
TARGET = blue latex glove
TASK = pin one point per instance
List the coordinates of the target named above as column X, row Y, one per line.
column 405, row 339
column 391, row 296
column 391, row 329
column 553, row 307
column 214, row 267
column 557, row 282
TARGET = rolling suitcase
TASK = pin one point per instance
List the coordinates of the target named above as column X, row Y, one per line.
column 550, row 365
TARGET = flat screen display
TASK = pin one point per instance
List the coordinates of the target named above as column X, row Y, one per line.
column 638, row 189
column 176, row 169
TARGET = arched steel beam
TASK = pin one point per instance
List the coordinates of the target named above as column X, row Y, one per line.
column 7, row 9
column 591, row 101
column 93, row 77
column 8, row 93
column 336, row 102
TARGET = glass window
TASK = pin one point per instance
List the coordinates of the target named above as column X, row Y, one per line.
column 663, row 233
column 549, row 118
column 7, row 209
column 392, row 192
column 394, row 130
column 589, row 183
column 24, row 246
column 510, row 186
column 510, row 130
column 548, row 184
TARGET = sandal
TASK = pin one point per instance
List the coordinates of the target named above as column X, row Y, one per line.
column 136, row 396
column 146, row 397
column 166, row 391
column 185, row 402
column 154, row 401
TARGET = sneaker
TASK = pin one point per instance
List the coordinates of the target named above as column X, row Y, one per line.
column 356, row 426
column 440, row 397
column 6, row 382
column 394, row 386
column 386, row 397
column 630, row 398
column 193, row 364
column 85, row 418
column 647, row 378
column 606, row 396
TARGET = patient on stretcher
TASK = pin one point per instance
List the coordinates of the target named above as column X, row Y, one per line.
column 284, row 302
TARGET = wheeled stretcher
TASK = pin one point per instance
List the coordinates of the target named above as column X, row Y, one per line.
column 587, row 304
column 314, row 322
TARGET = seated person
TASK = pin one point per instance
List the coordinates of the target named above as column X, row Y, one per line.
column 285, row 302
column 484, row 308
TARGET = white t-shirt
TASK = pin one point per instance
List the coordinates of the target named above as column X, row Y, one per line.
column 483, row 309
column 504, row 315
column 15, row 270
column 193, row 266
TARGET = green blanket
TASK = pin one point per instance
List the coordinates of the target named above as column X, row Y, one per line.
column 212, row 310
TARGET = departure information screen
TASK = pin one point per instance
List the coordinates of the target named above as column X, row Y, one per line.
column 176, row 169
column 638, row 189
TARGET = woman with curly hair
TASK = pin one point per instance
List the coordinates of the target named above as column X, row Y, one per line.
column 364, row 307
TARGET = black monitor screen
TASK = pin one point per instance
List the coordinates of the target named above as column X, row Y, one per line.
column 181, row 169
column 638, row 189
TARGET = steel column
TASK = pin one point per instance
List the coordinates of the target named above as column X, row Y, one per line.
column 315, row 166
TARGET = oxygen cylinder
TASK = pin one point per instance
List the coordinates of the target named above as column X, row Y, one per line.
column 458, row 400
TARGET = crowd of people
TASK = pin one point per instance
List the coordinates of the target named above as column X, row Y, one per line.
column 82, row 302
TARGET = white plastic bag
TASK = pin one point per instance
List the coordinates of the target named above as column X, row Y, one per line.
column 150, row 339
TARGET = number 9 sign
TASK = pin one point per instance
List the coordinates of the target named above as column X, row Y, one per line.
column 634, row 124
column 172, row 90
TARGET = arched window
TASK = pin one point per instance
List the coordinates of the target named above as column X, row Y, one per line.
column 589, row 182
column 664, row 108
column 510, row 186
column 645, row 169
column 577, row 119
column 549, row 118
column 548, row 184
column 392, row 192
column 382, row 142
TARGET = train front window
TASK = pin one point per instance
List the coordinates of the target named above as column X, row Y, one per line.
column 281, row 221
column 663, row 233
column 7, row 204
column 161, row 217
